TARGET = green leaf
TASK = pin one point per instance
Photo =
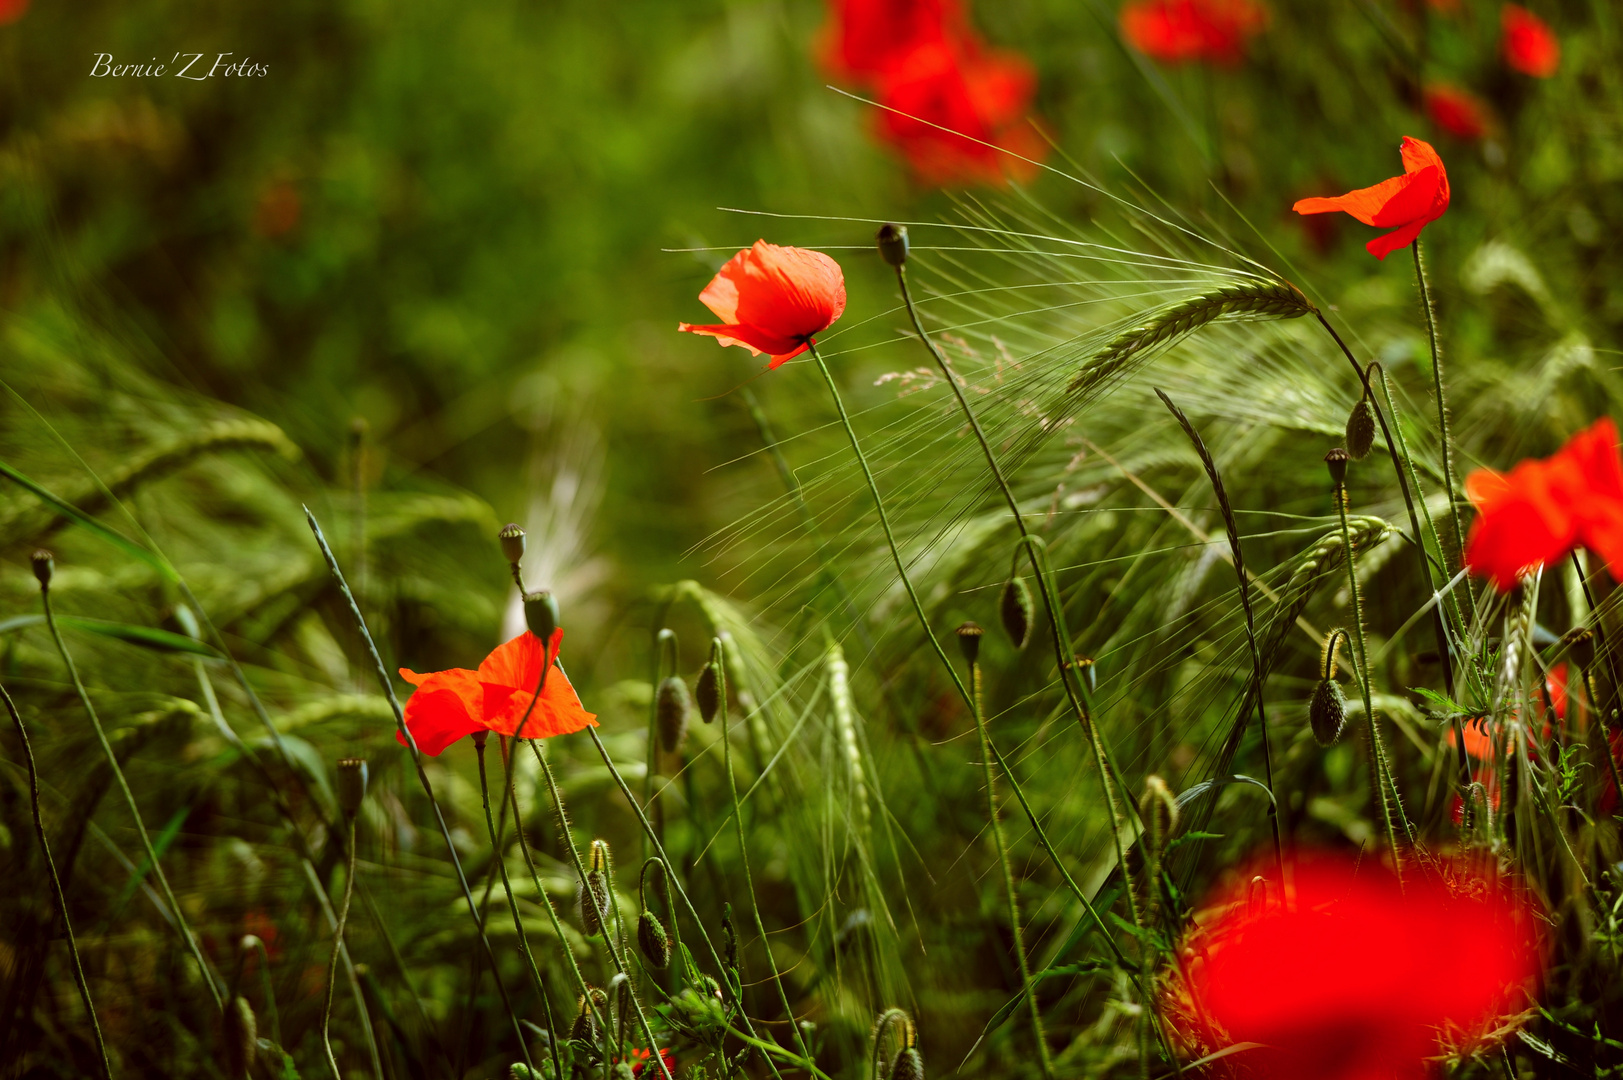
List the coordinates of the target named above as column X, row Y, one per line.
column 147, row 637
column 73, row 513
column 1191, row 837
column 1442, row 706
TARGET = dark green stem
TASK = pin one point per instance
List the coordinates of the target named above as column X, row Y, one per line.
column 1449, row 565
column 337, row 951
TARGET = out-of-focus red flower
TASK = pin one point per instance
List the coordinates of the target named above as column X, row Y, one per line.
column 640, row 1058
column 963, row 106
column 1351, row 977
column 450, row 704
column 1444, row 7
column 1544, row 508
column 865, row 38
column 263, row 927
column 1607, row 803
column 12, row 10
column 1555, row 684
column 1456, row 111
column 1177, row 31
column 772, row 299
column 1410, row 202
column 1529, row 46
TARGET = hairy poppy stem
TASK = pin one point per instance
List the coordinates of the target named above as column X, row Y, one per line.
column 718, row 658
column 1000, row 845
column 422, row 778
column 129, row 801
column 1377, row 756
column 1442, row 420
column 337, row 951
column 57, row 894
column 619, row 961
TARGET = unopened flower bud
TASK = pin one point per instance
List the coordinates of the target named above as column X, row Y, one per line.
column 1327, row 713
column 1256, row 896
column 653, row 940
column 671, row 708
column 541, row 614
column 1361, row 429
column 351, row 785
column 707, row 692
column 969, row 641
column 44, row 567
column 1336, row 461
column 239, row 1038
column 909, row 1065
column 1015, row 610
column 584, row 1028
column 512, row 539
column 892, row 241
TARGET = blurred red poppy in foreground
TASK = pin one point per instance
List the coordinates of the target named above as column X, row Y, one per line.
column 1176, row 31
column 1544, row 508
column 12, row 10
column 640, row 1058
column 1457, row 112
column 772, row 299
column 1530, row 46
column 450, row 704
column 979, row 96
column 1353, row 978
column 865, row 38
column 1410, row 202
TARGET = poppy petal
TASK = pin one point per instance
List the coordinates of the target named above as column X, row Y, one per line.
column 445, row 706
column 752, row 338
column 559, row 712
column 516, row 664
column 1382, row 246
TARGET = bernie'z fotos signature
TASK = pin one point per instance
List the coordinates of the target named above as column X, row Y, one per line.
column 195, row 67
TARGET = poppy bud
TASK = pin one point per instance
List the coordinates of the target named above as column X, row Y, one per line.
column 1336, row 460
column 584, row 1029
column 351, row 785
column 969, row 642
column 1579, row 645
column 239, row 1037
column 44, row 567
column 1015, row 610
column 1361, row 429
column 1328, row 712
column 1256, row 896
column 653, row 940
column 594, row 903
column 892, row 240
column 707, row 692
column 671, row 708
column 541, row 614
column 909, row 1065
column 512, row 538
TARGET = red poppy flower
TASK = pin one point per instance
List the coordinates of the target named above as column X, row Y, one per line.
column 865, row 38
column 958, row 107
column 1411, row 201
column 1457, row 112
column 1176, row 31
column 12, row 10
column 1530, row 46
column 450, row 704
column 640, row 1058
column 1544, row 508
column 1352, row 977
column 1555, row 684
column 772, row 300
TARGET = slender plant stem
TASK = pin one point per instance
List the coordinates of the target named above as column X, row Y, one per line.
column 1376, row 756
column 1000, row 845
column 1442, row 415
column 57, row 894
column 422, row 779
column 661, row 637
column 718, row 658
column 337, row 951
column 615, row 956
column 129, row 801
column 546, row 901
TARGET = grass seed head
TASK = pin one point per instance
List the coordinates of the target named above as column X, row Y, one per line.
column 909, row 1064
column 707, row 692
column 541, row 614
column 671, row 708
column 1361, row 429
column 1158, row 809
column 892, row 243
column 1014, row 608
column 1328, row 712
column 512, row 538
column 653, row 940
column 969, row 642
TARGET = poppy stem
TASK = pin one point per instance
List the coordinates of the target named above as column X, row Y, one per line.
column 586, row 890
column 422, row 779
column 1000, row 845
column 1377, row 757
column 129, row 801
column 56, row 884
column 337, row 951
column 496, row 853
column 718, row 658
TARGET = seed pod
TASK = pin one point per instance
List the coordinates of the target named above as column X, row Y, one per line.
column 584, row 1029
column 44, row 567
column 909, row 1065
column 351, row 785
column 1361, row 429
column 969, row 642
column 707, row 692
column 892, row 242
column 1015, row 609
column 541, row 614
column 239, row 1037
column 1328, row 712
column 1336, row 462
column 512, row 539
column 671, row 709
column 594, row 902
column 653, row 940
